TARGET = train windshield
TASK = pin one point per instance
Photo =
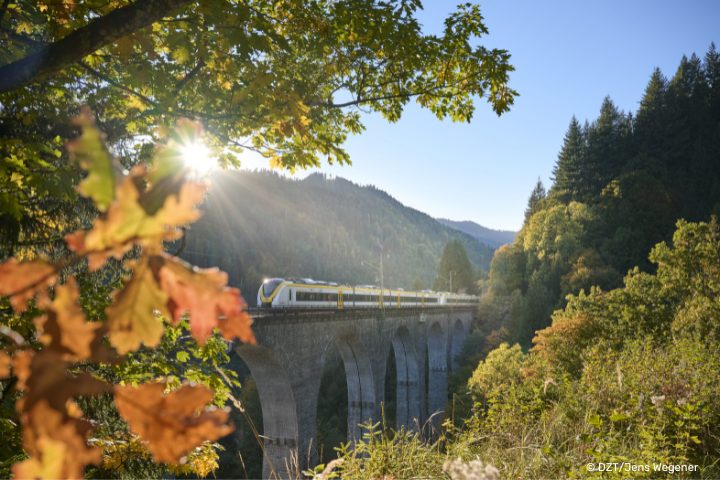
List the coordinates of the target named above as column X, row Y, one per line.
column 269, row 286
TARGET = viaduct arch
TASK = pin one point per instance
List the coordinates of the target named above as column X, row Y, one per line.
column 288, row 361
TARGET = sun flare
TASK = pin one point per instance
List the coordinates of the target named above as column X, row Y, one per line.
column 197, row 157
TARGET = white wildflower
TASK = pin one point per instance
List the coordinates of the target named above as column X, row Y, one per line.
column 472, row 470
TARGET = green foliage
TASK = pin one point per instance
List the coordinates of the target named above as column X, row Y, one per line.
column 455, row 272
column 498, row 372
column 628, row 375
column 386, row 454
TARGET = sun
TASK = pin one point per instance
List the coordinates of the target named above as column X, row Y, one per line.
column 197, row 157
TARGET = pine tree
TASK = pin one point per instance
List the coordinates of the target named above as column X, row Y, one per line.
column 712, row 75
column 568, row 171
column 455, row 272
column 607, row 148
column 651, row 133
column 537, row 195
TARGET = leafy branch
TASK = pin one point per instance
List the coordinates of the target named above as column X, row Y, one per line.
column 140, row 210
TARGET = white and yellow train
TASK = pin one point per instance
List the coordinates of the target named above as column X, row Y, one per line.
column 308, row 293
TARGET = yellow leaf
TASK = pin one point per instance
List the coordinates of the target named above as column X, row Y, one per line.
column 24, row 27
column 49, row 465
column 133, row 317
column 89, row 151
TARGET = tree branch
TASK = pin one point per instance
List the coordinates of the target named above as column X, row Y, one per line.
column 83, row 41
column 179, row 86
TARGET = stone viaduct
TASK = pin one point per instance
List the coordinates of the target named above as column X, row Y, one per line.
column 287, row 366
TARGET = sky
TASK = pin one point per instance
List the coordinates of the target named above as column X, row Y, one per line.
column 568, row 56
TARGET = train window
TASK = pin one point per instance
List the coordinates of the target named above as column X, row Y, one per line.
column 269, row 286
column 316, row 297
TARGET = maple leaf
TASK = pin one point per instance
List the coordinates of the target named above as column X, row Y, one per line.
column 172, row 424
column 203, row 294
column 133, row 317
column 21, row 281
column 90, row 152
column 64, row 328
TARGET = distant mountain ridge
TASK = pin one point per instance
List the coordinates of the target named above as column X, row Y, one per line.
column 261, row 224
column 494, row 238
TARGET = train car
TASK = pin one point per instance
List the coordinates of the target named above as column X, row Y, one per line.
column 309, row 293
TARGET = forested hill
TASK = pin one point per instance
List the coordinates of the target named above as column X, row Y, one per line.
column 259, row 224
column 494, row 238
column 621, row 182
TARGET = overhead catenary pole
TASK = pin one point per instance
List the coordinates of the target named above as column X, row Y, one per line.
column 382, row 278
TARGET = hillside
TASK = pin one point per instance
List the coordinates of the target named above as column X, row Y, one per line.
column 494, row 238
column 260, row 224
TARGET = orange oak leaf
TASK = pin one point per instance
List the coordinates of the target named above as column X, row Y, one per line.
column 172, row 424
column 127, row 222
column 64, row 328
column 56, row 442
column 203, row 294
column 50, row 464
column 50, row 418
column 181, row 209
column 114, row 233
column 21, row 281
column 44, row 376
column 134, row 316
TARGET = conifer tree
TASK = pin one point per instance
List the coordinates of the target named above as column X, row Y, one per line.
column 712, row 74
column 537, row 195
column 607, row 142
column 650, row 123
column 568, row 171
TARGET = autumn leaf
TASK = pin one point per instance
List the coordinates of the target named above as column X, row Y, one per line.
column 56, row 442
column 49, row 417
column 21, row 281
column 90, row 152
column 113, row 233
column 203, row 294
column 134, row 317
column 127, row 222
column 44, row 376
column 49, row 465
column 172, row 424
column 5, row 362
column 64, row 328
column 180, row 209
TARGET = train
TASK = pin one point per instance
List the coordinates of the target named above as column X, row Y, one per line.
column 309, row 293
